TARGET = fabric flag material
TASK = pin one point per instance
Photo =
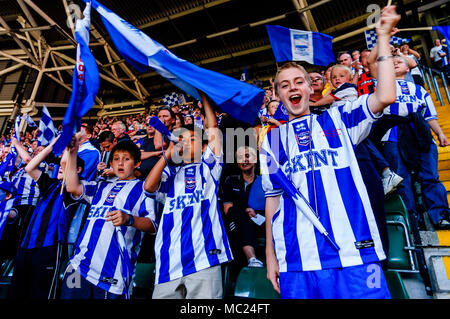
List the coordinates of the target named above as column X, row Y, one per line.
column 371, row 39
column 47, row 130
column 7, row 165
column 444, row 30
column 244, row 75
column 17, row 128
column 171, row 99
column 85, row 83
column 29, row 120
column 239, row 99
column 298, row 45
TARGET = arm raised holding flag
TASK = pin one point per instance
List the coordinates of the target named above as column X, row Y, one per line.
column 85, row 83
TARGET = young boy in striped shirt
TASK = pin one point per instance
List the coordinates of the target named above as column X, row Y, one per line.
column 105, row 255
column 41, row 250
column 191, row 242
column 316, row 153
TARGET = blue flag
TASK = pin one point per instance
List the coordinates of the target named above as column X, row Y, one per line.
column 239, row 99
column 85, row 83
column 281, row 113
column 371, row 39
column 7, row 165
column 29, row 120
column 444, row 30
column 298, row 45
column 16, row 128
column 47, row 130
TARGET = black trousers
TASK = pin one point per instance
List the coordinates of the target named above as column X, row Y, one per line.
column 34, row 271
column 374, row 186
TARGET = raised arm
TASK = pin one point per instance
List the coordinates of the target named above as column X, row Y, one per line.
column 214, row 134
column 385, row 93
column 23, row 153
column 73, row 184
column 414, row 52
column 325, row 100
column 153, row 179
column 33, row 164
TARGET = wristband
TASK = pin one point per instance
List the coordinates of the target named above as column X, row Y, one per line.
column 130, row 220
column 384, row 57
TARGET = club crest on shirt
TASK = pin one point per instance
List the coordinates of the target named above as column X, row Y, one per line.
column 113, row 193
column 302, row 133
column 404, row 88
column 189, row 178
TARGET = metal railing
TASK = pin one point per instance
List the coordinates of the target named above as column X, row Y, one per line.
column 431, row 77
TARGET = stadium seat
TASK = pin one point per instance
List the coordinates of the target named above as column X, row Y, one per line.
column 398, row 257
column 395, row 285
column 394, row 205
column 253, row 283
column 400, row 234
column 143, row 281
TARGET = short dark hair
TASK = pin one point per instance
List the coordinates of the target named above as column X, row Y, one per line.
column 80, row 163
column 195, row 129
column 89, row 129
column 106, row 136
column 128, row 146
column 172, row 113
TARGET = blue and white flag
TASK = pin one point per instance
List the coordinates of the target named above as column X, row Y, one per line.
column 17, row 128
column 171, row 99
column 85, row 83
column 371, row 39
column 29, row 120
column 7, row 165
column 244, row 75
column 298, row 45
column 239, row 99
column 47, row 130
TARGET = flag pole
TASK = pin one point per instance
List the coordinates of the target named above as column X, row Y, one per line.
column 372, row 26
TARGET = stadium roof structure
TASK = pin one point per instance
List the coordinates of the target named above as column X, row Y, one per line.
column 37, row 44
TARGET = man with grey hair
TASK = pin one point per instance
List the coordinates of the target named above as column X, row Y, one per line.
column 118, row 128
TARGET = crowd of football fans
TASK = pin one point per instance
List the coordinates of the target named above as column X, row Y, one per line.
column 240, row 195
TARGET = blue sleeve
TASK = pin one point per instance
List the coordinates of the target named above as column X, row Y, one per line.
column 91, row 159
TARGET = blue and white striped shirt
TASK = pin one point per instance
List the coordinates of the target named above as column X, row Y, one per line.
column 191, row 235
column 5, row 208
column 326, row 172
column 106, row 255
column 410, row 98
column 91, row 157
column 27, row 189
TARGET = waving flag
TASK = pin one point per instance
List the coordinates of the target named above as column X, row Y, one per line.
column 7, row 165
column 444, row 30
column 371, row 39
column 29, row 120
column 171, row 99
column 17, row 128
column 85, row 83
column 239, row 99
column 47, row 130
column 297, row 45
